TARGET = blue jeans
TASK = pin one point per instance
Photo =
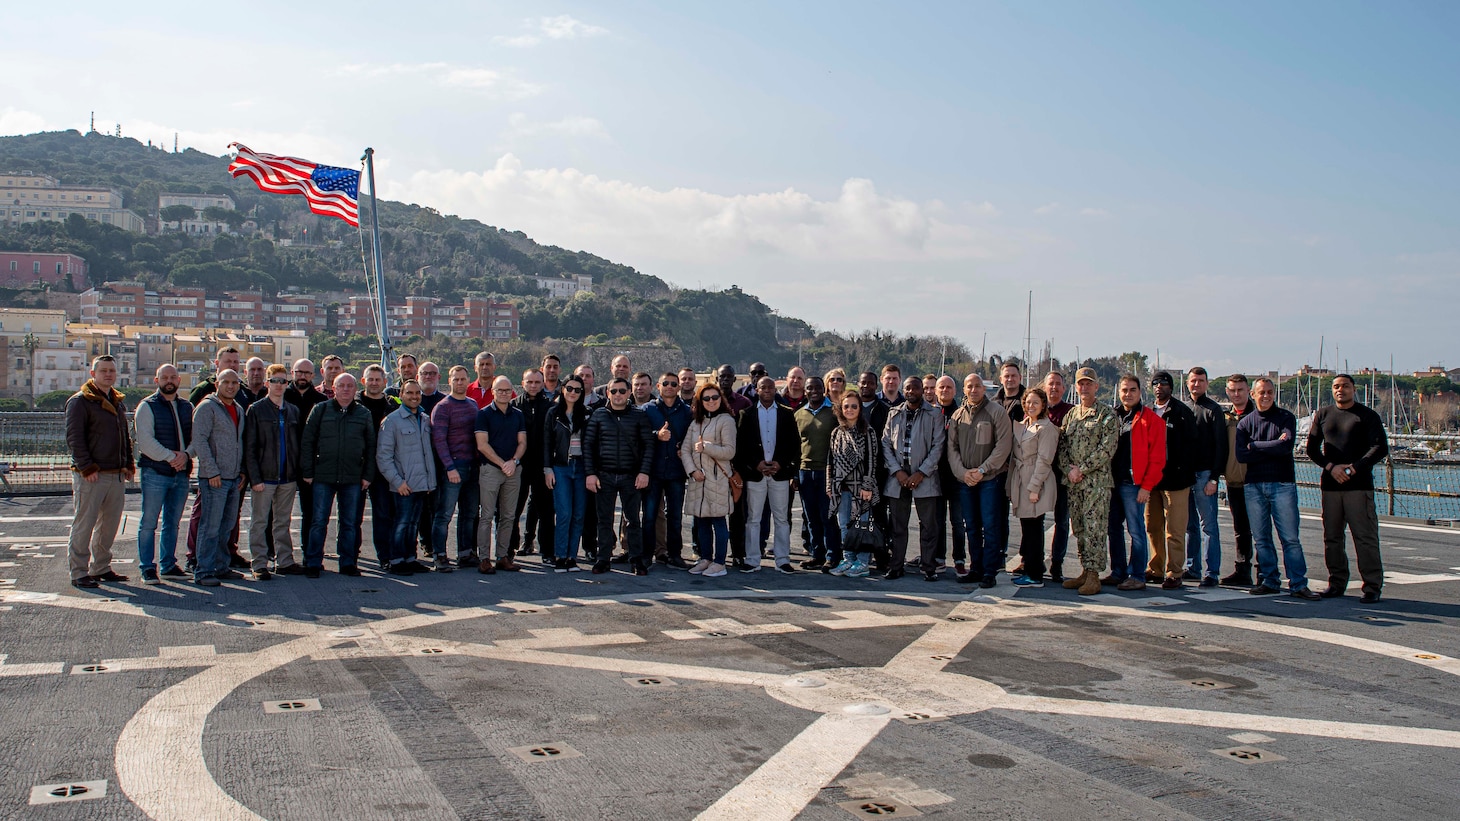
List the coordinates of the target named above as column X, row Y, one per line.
column 1274, row 505
column 220, row 513
column 1128, row 514
column 844, row 520
column 570, row 501
column 463, row 499
column 407, row 517
column 1201, row 521
column 383, row 520
column 713, row 531
column 826, row 541
column 162, row 496
column 673, row 490
column 981, row 511
column 350, row 495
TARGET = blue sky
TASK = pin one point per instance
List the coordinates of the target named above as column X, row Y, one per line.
column 1224, row 182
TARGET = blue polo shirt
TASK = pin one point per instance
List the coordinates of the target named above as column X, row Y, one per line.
column 501, row 429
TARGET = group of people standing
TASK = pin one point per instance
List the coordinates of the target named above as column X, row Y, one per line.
column 542, row 467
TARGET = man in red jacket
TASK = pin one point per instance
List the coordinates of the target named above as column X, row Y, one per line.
column 1139, row 459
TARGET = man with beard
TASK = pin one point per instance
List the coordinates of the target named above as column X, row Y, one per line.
column 303, row 395
column 164, row 425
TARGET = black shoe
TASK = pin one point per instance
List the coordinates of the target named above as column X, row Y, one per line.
column 560, row 565
column 736, row 564
column 229, row 574
column 968, row 578
column 1369, row 598
column 813, row 564
column 622, row 558
column 1190, row 575
column 676, row 561
column 786, row 568
column 349, row 570
column 1264, row 590
column 571, row 565
column 150, row 577
column 1208, row 581
column 401, row 569
column 1304, row 593
column 470, row 560
column 894, row 573
column 262, row 575
column 85, row 583
column 311, row 572
column 290, row 570
column 1241, row 576
column 601, row 567
column 238, row 562
column 988, row 581
column 640, row 569
column 175, row 572
column 930, row 575
column 110, row 576
column 417, row 567
column 192, row 569
column 1331, row 592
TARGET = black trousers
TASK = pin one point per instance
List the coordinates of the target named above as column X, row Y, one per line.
column 619, row 487
column 1353, row 509
column 540, row 524
column 900, row 509
column 1031, row 546
column 1241, row 527
column 306, row 510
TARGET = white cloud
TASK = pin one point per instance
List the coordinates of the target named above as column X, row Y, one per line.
column 14, row 121
column 1094, row 212
column 522, row 126
column 629, row 222
column 497, row 82
column 1045, row 210
column 559, row 27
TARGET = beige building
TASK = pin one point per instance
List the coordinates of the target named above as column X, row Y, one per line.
column 141, row 349
column 198, row 202
column 49, row 330
column 28, row 197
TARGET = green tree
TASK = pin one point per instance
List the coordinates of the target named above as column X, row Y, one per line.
column 178, row 213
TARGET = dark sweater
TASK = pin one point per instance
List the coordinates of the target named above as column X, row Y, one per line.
column 1347, row 436
column 1262, row 448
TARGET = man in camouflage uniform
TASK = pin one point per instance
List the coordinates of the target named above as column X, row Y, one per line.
column 1090, row 433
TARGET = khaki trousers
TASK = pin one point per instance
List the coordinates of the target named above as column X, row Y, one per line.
column 94, row 525
column 1166, row 516
column 499, row 506
column 278, row 501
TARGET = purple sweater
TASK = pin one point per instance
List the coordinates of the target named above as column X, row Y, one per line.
column 453, row 429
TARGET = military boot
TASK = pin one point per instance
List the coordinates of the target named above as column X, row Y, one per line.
column 1091, row 585
column 1072, row 584
column 1241, row 576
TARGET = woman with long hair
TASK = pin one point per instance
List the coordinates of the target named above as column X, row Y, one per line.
column 1032, row 482
column 563, row 470
column 708, row 447
column 851, row 476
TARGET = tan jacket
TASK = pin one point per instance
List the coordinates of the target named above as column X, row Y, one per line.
column 1031, row 468
column 711, row 498
column 1236, row 472
column 979, row 438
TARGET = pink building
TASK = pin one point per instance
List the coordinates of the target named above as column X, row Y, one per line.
column 22, row 270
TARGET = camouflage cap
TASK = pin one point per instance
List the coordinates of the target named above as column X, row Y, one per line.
column 1085, row 373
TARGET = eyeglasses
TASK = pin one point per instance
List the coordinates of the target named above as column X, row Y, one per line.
column 278, row 380
column 430, row 373
column 617, row 391
column 571, row 389
column 710, row 398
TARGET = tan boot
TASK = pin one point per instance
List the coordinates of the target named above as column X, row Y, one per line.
column 1091, row 585
column 1078, row 581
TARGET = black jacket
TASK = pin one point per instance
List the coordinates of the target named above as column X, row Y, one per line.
column 338, row 444
column 261, row 442
column 536, row 409
column 557, row 435
column 618, row 442
column 304, row 401
column 1180, row 442
column 1012, row 405
column 749, row 450
column 1209, row 437
column 877, row 415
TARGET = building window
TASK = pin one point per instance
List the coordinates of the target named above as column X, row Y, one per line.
column 35, row 267
column 13, row 264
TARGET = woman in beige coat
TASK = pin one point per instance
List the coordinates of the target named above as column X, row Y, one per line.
column 708, row 448
column 1032, row 482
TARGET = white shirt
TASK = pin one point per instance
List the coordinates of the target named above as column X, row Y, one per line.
column 767, row 417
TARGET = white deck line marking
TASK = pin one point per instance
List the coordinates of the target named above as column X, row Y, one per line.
column 788, row 781
column 1395, row 525
column 1392, row 734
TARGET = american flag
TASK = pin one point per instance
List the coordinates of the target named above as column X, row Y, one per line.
column 332, row 192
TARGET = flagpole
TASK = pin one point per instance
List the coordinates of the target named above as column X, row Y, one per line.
column 382, row 319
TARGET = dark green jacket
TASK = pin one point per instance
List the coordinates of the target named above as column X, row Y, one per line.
column 338, row 446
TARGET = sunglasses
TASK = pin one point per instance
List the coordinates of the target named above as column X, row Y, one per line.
column 668, row 384
column 617, row 391
column 278, row 380
column 571, row 389
column 710, row 397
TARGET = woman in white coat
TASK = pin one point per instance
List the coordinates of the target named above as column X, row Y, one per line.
column 708, row 447
column 1032, row 482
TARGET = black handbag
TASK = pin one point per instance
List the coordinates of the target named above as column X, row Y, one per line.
column 862, row 535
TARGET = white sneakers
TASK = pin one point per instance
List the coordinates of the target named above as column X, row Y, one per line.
column 700, row 566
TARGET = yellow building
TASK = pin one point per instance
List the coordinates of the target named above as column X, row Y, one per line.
column 28, row 197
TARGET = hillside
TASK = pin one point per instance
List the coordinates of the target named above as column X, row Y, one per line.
column 425, row 252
